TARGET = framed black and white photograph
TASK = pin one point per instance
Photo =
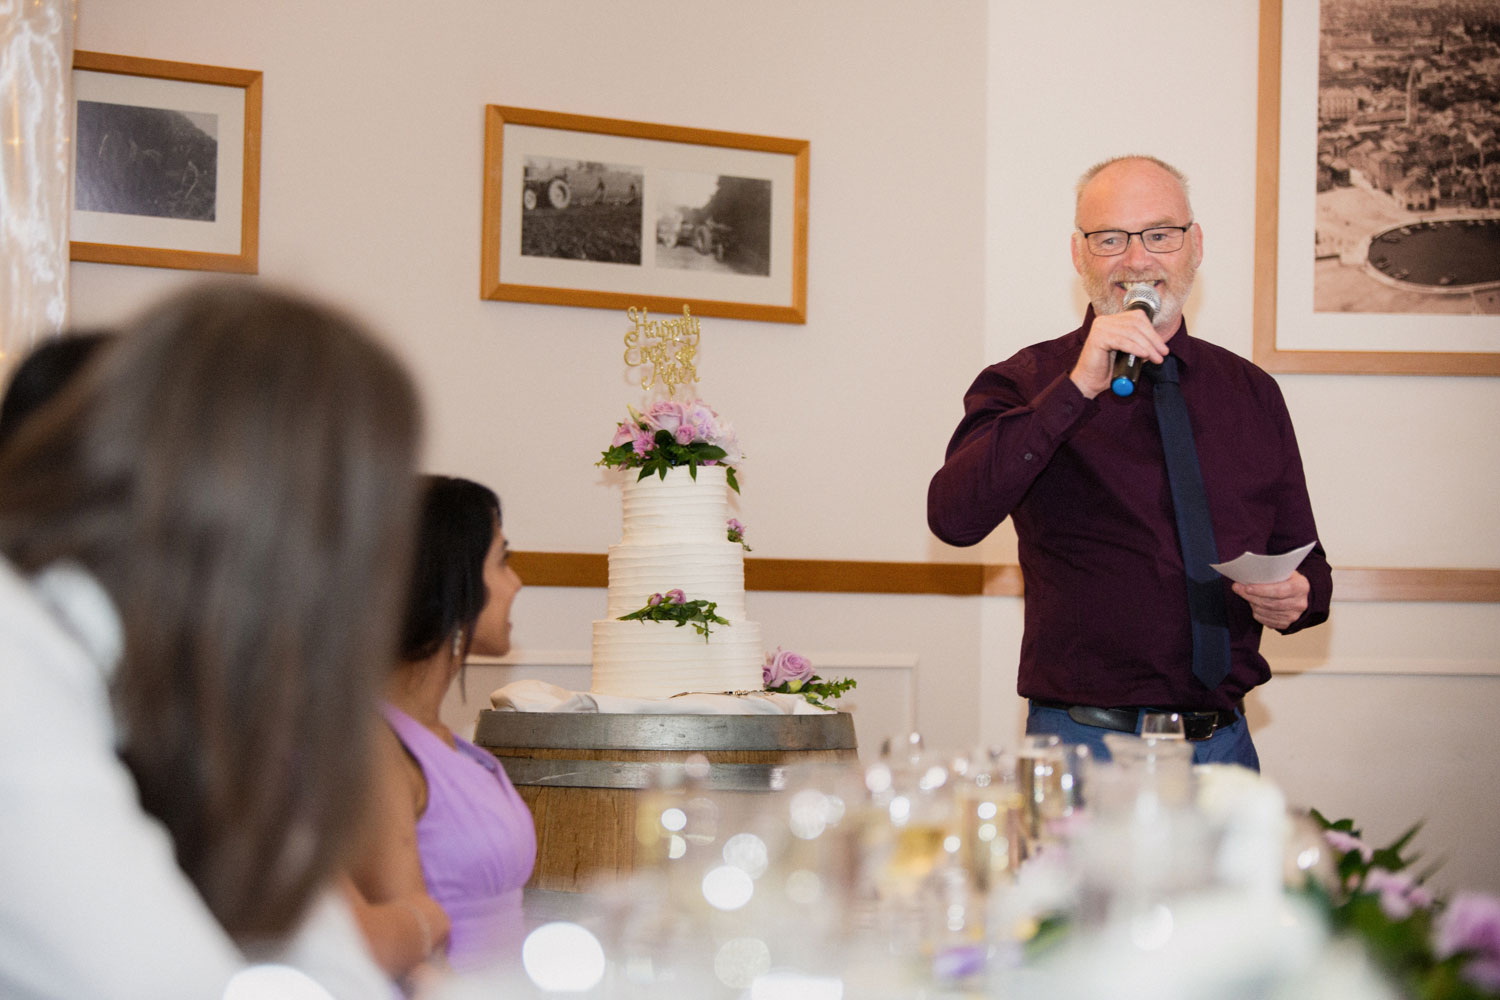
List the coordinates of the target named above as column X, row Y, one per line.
column 606, row 213
column 166, row 160
column 1378, row 188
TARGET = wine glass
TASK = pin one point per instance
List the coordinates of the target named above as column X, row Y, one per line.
column 1162, row 726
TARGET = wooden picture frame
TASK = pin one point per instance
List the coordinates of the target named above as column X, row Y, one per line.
column 1288, row 335
column 166, row 164
column 608, row 214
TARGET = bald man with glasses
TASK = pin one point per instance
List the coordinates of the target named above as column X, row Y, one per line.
column 1121, row 502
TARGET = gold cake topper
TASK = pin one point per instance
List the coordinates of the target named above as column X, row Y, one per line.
column 663, row 348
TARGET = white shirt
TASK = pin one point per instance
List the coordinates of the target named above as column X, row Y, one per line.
column 92, row 902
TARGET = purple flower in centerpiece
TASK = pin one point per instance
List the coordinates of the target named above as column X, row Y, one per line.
column 1399, row 892
column 654, row 600
column 1471, row 923
column 784, row 666
column 685, row 434
column 1345, row 842
column 675, row 596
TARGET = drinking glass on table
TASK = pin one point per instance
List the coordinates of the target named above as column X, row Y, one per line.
column 989, row 817
column 1050, row 775
column 1162, row 725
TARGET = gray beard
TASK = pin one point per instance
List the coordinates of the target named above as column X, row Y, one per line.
column 1100, row 293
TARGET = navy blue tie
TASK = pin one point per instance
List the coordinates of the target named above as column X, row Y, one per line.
column 1195, row 530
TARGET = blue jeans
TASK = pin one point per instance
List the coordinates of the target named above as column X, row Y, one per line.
column 1230, row 745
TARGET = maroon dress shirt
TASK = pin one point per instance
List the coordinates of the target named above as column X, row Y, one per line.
column 1085, row 483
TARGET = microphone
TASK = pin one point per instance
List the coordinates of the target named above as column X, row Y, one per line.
column 1126, row 368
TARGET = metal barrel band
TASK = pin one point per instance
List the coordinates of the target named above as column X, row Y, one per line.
column 638, row 775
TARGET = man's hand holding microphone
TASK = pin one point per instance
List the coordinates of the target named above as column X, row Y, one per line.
column 1120, row 344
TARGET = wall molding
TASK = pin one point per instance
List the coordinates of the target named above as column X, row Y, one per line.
column 1377, row 667
column 1396, row 585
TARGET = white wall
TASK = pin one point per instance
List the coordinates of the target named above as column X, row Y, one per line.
column 940, row 132
column 371, row 193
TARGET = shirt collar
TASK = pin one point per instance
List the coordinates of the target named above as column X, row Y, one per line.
column 84, row 610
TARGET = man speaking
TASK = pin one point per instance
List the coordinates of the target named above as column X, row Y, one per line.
column 1124, row 485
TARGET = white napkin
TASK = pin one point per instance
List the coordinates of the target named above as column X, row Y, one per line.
column 539, row 696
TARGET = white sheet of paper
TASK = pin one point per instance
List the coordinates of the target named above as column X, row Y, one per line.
column 1252, row 568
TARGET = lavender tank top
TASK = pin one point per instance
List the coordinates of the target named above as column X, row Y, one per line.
column 477, row 843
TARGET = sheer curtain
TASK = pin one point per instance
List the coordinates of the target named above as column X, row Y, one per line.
column 36, row 156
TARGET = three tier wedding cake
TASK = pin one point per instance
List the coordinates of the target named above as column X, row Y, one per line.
column 674, row 548
column 677, row 577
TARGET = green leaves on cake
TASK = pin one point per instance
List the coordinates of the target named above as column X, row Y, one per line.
column 670, row 434
column 786, row 672
column 673, row 606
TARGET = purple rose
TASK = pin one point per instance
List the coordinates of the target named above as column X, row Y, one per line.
column 675, row 596
column 623, row 432
column 786, row 667
column 664, row 415
column 654, row 600
column 685, row 434
column 1471, row 922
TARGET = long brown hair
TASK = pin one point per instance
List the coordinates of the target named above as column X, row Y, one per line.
column 237, row 473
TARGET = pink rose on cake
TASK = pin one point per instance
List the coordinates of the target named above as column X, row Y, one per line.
column 786, row 667
column 663, row 415
column 786, row 672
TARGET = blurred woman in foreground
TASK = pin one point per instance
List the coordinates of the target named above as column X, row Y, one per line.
column 455, row 812
column 204, row 538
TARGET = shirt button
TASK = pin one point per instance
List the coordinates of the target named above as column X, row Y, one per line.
column 1028, row 456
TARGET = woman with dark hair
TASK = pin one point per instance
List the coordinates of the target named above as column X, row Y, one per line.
column 43, row 373
column 204, row 540
column 456, row 811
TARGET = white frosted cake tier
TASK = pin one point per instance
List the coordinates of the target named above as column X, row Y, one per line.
column 712, row 571
column 678, row 508
column 658, row 659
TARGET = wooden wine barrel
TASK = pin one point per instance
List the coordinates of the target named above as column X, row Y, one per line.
column 582, row 773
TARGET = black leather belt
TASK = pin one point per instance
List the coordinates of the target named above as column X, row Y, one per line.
column 1196, row 726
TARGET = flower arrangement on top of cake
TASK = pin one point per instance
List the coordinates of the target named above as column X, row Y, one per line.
column 670, row 433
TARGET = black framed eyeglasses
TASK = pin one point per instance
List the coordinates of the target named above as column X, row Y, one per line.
column 1113, row 242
